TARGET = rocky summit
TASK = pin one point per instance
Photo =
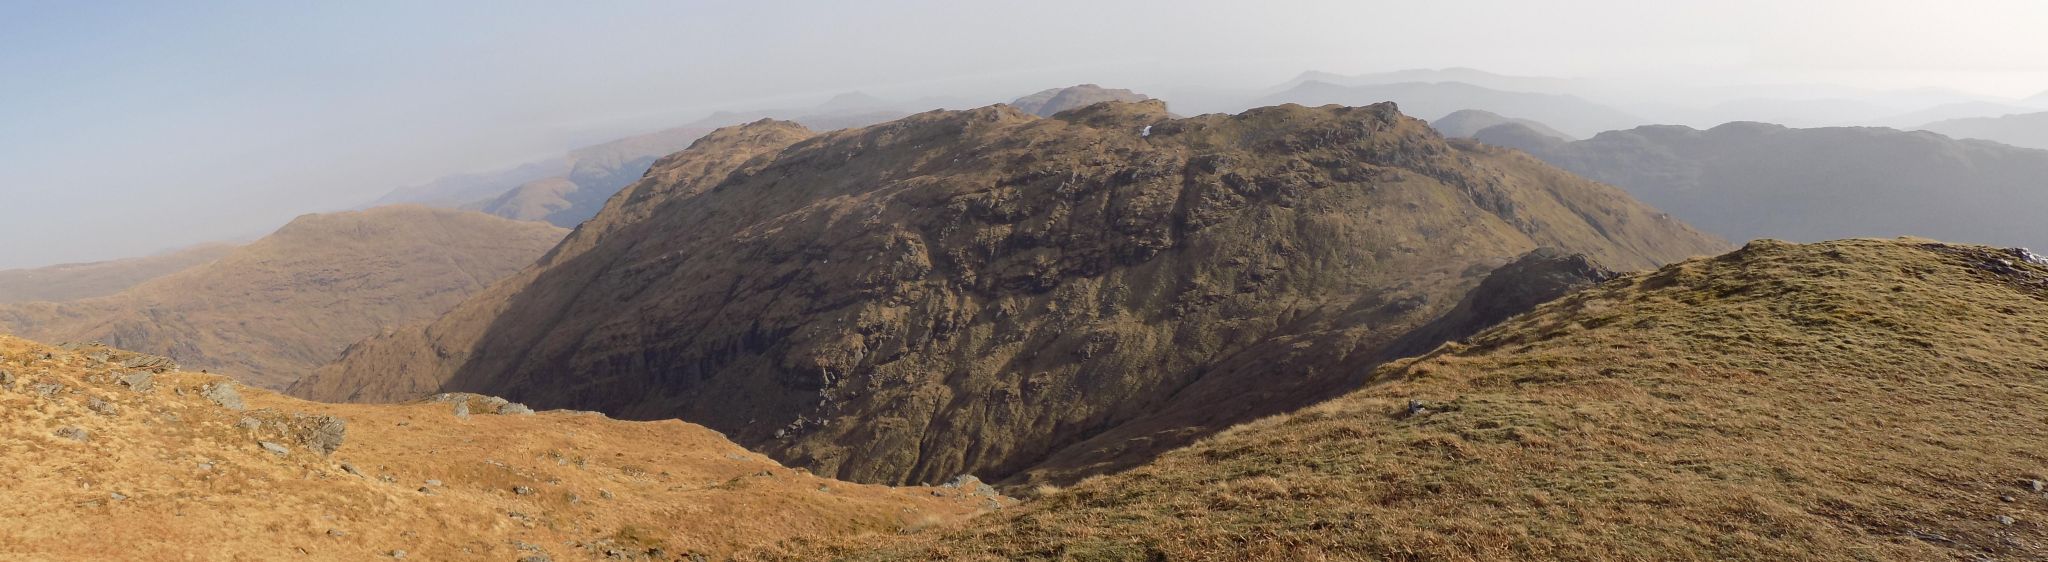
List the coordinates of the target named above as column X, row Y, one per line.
column 990, row 292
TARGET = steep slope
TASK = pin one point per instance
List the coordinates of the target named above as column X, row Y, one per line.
column 1570, row 114
column 971, row 292
column 2029, row 130
column 272, row 310
column 1746, row 181
column 1465, row 123
column 1048, row 102
column 85, row 280
column 112, row 462
column 1854, row 400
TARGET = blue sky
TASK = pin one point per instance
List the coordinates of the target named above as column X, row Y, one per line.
column 133, row 127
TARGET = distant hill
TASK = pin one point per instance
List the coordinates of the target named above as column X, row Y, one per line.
column 595, row 173
column 1845, row 401
column 1746, row 181
column 1055, row 100
column 1574, row 116
column 1468, row 122
column 84, row 280
column 127, row 458
column 1473, row 76
column 270, row 311
column 462, row 189
column 981, row 291
column 2025, row 129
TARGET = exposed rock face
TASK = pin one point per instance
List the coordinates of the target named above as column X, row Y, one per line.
column 1746, row 181
column 272, row 310
column 972, row 292
column 1048, row 102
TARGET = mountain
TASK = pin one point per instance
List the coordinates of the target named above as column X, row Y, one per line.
column 1917, row 120
column 971, row 292
column 2028, row 130
column 1465, row 123
column 1473, row 76
column 270, row 311
column 1048, row 102
column 595, row 173
column 85, row 280
column 461, row 189
column 1853, row 400
column 117, row 462
column 1747, row 181
column 1570, row 114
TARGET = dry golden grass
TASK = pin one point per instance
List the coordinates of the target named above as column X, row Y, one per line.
column 1853, row 400
column 166, row 474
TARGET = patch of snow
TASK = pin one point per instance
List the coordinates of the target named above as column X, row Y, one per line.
column 1145, row 132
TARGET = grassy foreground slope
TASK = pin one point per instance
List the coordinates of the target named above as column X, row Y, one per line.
column 112, row 456
column 1851, row 400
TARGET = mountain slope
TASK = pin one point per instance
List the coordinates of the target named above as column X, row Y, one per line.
column 971, row 292
column 1048, row 102
column 1746, row 181
column 2028, row 130
column 1465, row 123
column 75, row 281
column 1570, row 114
column 1854, row 400
column 272, row 310
column 116, row 463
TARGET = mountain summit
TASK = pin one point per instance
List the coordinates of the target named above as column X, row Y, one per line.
column 973, row 292
column 1048, row 102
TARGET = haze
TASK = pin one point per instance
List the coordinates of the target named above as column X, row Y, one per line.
column 132, row 128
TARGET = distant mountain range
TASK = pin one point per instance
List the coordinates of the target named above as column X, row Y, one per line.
column 1048, row 102
column 269, row 311
column 1746, row 181
column 1466, row 123
column 2021, row 129
column 1573, row 115
column 75, row 281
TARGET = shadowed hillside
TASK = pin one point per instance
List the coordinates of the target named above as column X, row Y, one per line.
column 974, row 291
column 2028, row 130
column 270, row 311
column 1854, row 400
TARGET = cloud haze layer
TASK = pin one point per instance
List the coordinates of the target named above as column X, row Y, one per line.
column 129, row 128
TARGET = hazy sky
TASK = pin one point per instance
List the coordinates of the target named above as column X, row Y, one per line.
column 128, row 128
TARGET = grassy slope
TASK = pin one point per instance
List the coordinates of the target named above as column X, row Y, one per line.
column 1854, row 400
column 193, row 484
